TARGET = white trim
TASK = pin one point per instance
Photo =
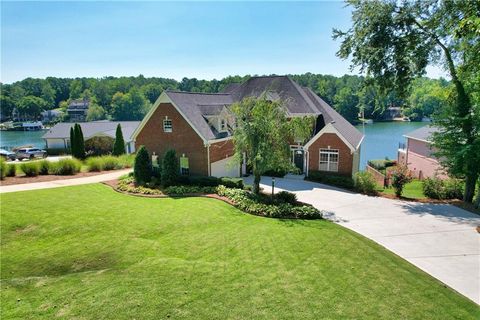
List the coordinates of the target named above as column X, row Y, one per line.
column 359, row 143
column 219, row 140
column 163, row 98
column 329, row 152
column 329, row 128
column 418, row 139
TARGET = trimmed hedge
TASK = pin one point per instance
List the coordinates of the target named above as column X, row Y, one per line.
column 44, row 167
column 337, row 180
column 285, row 197
column 11, row 170
column 182, row 190
column 253, row 204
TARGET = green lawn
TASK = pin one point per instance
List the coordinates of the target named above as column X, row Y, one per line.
column 87, row 252
column 412, row 190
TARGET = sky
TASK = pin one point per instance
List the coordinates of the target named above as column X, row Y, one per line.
column 205, row 40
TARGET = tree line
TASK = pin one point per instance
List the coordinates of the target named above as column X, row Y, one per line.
column 129, row 98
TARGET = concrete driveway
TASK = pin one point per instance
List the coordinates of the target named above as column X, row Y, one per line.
column 438, row 238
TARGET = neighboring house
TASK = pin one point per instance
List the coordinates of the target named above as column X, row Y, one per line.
column 77, row 110
column 51, row 115
column 199, row 126
column 58, row 137
column 417, row 154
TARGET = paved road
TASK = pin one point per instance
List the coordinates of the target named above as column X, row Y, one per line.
column 438, row 238
column 64, row 183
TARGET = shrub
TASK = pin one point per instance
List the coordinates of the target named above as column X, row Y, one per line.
column 182, row 190
column 125, row 184
column 436, row 188
column 381, row 164
column 170, row 168
column 142, row 170
column 365, row 183
column 277, row 173
column 200, row 181
column 3, row 168
column 119, row 145
column 286, row 197
column 400, row 177
column 94, row 164
column 64, row 167
column 109, row 162
column 126, row 160
column 31, row 169
column 44, row 167
column 253, row 204
column 11, row 170
column 338, row 180
column 231, row 182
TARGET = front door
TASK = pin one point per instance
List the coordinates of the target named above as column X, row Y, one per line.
column 298, row 155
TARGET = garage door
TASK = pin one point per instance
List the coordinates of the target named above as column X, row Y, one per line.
column 225, row 168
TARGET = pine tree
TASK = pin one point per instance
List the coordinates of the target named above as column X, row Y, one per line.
column 119, row 145
column 73, row 143
column 170, row 168
column 79, row 142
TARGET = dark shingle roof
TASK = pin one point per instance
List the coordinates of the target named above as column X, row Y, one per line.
column 78, row 104
column 423, row 133
column 346, row 129
column 89, row 129
column 299, row 101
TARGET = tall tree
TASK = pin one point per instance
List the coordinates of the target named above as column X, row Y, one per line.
column 129, row 106
column 73, row 142
column 95, row 112
column 79, row 142
column 262, row 133
column 119, row 144
column 31, row 106
column 394, row 41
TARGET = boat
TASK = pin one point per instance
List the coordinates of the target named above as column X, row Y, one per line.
column 26, row 126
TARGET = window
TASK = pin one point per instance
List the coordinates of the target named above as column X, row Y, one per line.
column 184, row 166
column 222, row 127
column 167, row 125
column 328, row 160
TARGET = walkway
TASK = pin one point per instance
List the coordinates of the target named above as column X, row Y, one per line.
column 64, row 183
column 440, row 239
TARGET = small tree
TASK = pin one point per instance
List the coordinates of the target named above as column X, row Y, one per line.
column 170, row 168
column 79, row 142
column 400, row 177
column 73, row 142
column 142, row 169
column 119, row 145
column 262, row 132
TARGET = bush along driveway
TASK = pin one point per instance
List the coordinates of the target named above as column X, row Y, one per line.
column 438, row 238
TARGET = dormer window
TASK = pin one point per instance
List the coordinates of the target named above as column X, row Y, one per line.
column 222, row 126
column 167, row 125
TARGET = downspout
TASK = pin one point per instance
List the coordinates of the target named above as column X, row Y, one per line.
column 208, row 159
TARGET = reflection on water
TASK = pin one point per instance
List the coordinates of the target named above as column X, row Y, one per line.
column 382, row 138
column 10, row 139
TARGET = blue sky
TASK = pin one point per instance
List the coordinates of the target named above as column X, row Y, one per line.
column 194, row 39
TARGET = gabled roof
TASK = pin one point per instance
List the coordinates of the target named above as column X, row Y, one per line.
column 422, row 134
column 62, row 130
column 345, row 128
column 197, row 107
column 79, row 104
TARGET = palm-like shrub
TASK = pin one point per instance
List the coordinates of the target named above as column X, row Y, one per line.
column 31, row 169
column 65, row 167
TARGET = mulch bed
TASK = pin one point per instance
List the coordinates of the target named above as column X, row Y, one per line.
column 24, row 179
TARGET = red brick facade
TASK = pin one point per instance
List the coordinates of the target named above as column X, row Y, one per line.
column 345, row 157
column 221, row 150
column 182, row 138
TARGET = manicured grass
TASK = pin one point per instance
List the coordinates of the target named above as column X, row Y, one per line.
column 412, row 190
column 88, row 252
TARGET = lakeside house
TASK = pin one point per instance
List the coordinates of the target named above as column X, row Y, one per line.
column 77, row 110
column 58, row 137
column 417, row 154
column 199, row 126
column 51, row 115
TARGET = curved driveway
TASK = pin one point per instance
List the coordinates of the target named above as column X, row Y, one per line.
column 438, row 238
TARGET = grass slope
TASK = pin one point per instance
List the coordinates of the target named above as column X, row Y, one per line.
column 87, row 252
column 412, row 190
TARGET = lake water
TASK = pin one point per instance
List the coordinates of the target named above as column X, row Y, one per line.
column 382, row 138
column 10, row 139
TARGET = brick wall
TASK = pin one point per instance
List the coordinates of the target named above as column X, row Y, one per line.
column 345, row 160
column 182, row 138
column 221, row 150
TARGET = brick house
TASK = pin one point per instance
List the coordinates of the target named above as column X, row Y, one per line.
column 199, row 126
column 417, row 154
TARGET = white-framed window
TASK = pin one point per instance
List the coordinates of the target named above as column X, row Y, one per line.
column 222, row 125
column 328, row 160
column 167, row 125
